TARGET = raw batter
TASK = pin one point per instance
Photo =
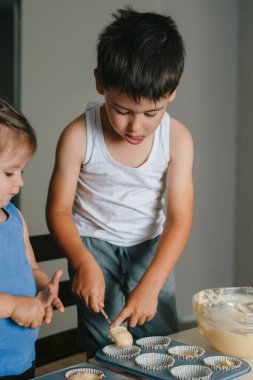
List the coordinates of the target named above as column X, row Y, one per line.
column 121, row 336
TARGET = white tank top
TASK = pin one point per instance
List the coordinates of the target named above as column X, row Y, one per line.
column 121, row 205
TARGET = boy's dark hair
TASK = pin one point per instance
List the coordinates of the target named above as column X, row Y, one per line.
column 15, row 128
column 140, row 54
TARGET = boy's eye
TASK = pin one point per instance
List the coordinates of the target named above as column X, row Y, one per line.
column 150, row 114
column 9, row 174
column 122, row 112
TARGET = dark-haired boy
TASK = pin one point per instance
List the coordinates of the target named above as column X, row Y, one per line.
column 113, row 166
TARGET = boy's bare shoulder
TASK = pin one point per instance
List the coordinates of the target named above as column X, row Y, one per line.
column 72, row 141
column 180, row 137
column 76, row 128
column 178, row 129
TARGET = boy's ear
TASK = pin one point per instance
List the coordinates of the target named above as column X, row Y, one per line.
column 172, row 96
column 99, row 87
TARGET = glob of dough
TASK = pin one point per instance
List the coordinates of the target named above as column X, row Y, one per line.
column 121, row 336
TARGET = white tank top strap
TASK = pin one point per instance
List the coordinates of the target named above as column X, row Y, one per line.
column 90, row 122
column 165, row 136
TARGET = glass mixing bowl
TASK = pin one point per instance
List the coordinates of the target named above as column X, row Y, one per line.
column 225, row 317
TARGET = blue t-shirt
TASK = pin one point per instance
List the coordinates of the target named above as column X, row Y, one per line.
column 17, row 344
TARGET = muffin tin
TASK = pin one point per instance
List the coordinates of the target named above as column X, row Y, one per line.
column 129, row 364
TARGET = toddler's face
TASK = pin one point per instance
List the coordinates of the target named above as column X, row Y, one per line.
column 12, row 163
column 130, row 120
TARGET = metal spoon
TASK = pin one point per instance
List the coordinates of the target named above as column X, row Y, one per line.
column 105, row 315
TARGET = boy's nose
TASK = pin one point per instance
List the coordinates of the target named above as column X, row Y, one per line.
column 134, row 125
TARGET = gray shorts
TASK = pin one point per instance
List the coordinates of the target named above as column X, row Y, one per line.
column 122, row 268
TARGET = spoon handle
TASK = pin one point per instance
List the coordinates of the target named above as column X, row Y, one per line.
column 105, row 315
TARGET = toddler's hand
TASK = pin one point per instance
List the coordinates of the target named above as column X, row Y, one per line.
column 28, row 312
column 49, row 297
column 140, row 307
column 89, row 285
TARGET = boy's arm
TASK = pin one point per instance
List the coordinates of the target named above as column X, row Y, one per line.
column 24, row 311
column 142, row 303
column 7, row 305
column 47, row 289
column 88, row 283
column 40, row 277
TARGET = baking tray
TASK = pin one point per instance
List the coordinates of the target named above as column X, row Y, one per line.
column 128, row 365
column 59, row 375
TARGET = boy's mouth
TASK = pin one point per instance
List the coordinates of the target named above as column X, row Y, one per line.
column 134, row 140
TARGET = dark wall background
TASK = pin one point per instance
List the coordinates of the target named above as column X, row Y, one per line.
column 9, row 54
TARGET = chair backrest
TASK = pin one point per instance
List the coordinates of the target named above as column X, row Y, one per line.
column 63, row 344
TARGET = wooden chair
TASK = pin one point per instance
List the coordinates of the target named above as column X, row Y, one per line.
column 63, row 344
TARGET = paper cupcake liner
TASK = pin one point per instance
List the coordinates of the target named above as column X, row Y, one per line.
column 94, row 371
column 191, row 372
column 121, row 353
column 222, row 363
column 154, row 342
column 186, row 352
column 154, row 361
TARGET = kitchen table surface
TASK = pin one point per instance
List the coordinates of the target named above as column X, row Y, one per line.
column 191, row 336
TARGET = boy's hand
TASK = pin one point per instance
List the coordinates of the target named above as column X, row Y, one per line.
column 28, row 312
column 140, row 307
column 89, row 285
column 49, row 297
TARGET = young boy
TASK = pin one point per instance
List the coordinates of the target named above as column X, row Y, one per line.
column 113, row 166
column 22, row 311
